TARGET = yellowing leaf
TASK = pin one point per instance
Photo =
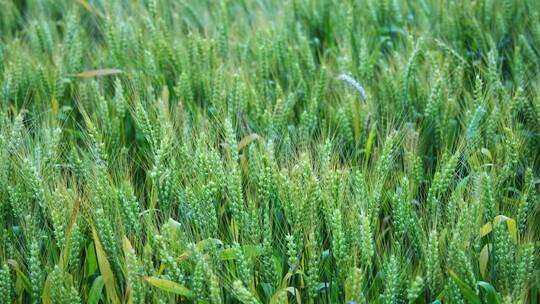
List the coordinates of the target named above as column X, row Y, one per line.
column 248, row 250
column 369, row 143
column 356, row 121
column 485, row 229
column 90, row 8
column 161, row 269
column 54, row 104
column 99, row 72
column 127, row 245
column 486, row 153
column 184, row 256
column 208, row 243
column 247, row 140
column 46, row 295
column 169, row 286
column 105, row 269
column 165, row 95
column 510, row 223
column 512, row 228
column 22, row 280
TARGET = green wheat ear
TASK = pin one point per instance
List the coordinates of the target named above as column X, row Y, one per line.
column 316, row 151
column 6, row 287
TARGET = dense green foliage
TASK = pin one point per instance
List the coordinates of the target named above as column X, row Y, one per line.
column 255, row 151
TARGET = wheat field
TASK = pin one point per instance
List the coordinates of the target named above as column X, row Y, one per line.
column 264, row 151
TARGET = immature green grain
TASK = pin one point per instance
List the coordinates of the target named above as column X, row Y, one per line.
column 167, row 256
column 243, row 265
column 504, row 256
column 77, row 243
column 415, row 289
column 6, row 288
column 120, row 101
column 130, row 210
column 432, row 262
column 134, row 272
column 257, row 151
column 478, row 91
column 536, row 104
column 339, row 243
column 488, row 200
column 441, row 182
column 162, row 176
column 235, row 197
column 74, row 297
column 459, row 261
column 401, row 209
column 344, row 127
column 313, row 267
column 2, row 57
column 392, row 281
column 266, row 263
column 16, row 133
column 474, row 125
column 242, row 293
column 292, row 253
column 527, row 200
column 366, row 244
column 106, row 234
column 146, row 126
column 453, row 293
column 354, row 286
column 36, row 272
column 184, row 89
column 199, row 280
column 525, row 268
column 58, row 211
column 214, row 288
column 60, row 290
column 409, row 76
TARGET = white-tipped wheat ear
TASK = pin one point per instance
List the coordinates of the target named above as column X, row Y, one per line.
column 355, row 84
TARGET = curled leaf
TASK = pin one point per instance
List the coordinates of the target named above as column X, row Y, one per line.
column 491, row 295
column 247, row 140
column 95, row 291
column 484, row 258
